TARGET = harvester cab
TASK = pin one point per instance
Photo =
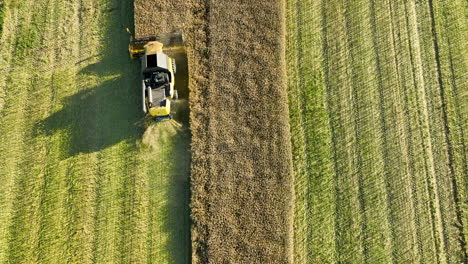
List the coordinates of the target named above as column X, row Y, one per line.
column 158, row 71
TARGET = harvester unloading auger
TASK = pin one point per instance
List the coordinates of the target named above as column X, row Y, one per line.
column 158, row 71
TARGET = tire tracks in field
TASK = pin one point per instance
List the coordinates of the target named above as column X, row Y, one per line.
column 447, row 129
column 399, row 184
column 423, row 120
column 385, row 152
column 328, row 98
column 355, row 117
column 413, row 116
column 24, row 223
column 408, row 80
column 369, row 148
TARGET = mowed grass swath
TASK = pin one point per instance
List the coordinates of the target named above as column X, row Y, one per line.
column 377, row 118
column 79, row 185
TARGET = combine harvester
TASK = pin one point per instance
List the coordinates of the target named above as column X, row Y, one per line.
column 158, row 72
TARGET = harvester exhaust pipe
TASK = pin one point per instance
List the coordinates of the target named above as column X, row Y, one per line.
column 150, row 96
column 143, row 97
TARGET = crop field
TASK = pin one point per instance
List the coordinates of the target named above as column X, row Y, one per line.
column 82, row 180
column 378, row 108
column 318, row 132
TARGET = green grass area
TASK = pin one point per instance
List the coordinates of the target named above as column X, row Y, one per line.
column 3, row 11
column 83, row 179
column 314, row 225
column 377, row 123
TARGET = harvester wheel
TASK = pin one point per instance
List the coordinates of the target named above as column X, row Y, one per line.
column 176, row 95
column 174, row 68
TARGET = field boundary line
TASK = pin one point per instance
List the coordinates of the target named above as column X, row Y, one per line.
column 300, row 79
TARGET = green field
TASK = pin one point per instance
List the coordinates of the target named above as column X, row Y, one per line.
column 82, row 179
column 378, row 109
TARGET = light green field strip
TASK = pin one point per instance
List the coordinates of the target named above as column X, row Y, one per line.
column 168, row 240
column 449, row 22
column 421, row 148
column 393, row 80
column 416, row 123
column 14, row 127
column 455, row 28
column 77, row 184
column 368, row 133
column 297, row 136
column 10, row 134
column 313, row 166
column 437, row 124
column 53, row 194
column 32, row 220
column 349, row 205
column 397, row 129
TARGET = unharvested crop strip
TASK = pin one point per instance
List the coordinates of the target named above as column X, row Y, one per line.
column 242, row 223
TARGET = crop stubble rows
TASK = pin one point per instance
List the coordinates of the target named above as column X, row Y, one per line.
column 383, row 81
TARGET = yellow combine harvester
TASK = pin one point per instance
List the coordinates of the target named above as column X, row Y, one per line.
column 158, row 72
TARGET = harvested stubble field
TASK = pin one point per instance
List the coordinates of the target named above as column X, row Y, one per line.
column 378, row 108
column 81, row 181
column 241, row 168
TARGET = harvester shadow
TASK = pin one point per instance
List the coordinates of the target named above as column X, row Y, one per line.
column 109, row 113
column 177, row 224
column 170, row 140
column 99, row 117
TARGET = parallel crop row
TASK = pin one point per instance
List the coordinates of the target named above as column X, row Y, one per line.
column 385, row 77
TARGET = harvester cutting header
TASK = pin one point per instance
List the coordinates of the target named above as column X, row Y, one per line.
column 158, row 72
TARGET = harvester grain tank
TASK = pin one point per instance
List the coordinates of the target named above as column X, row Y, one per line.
column 158, row 71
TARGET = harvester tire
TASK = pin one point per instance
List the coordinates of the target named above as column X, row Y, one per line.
column 176, row 95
